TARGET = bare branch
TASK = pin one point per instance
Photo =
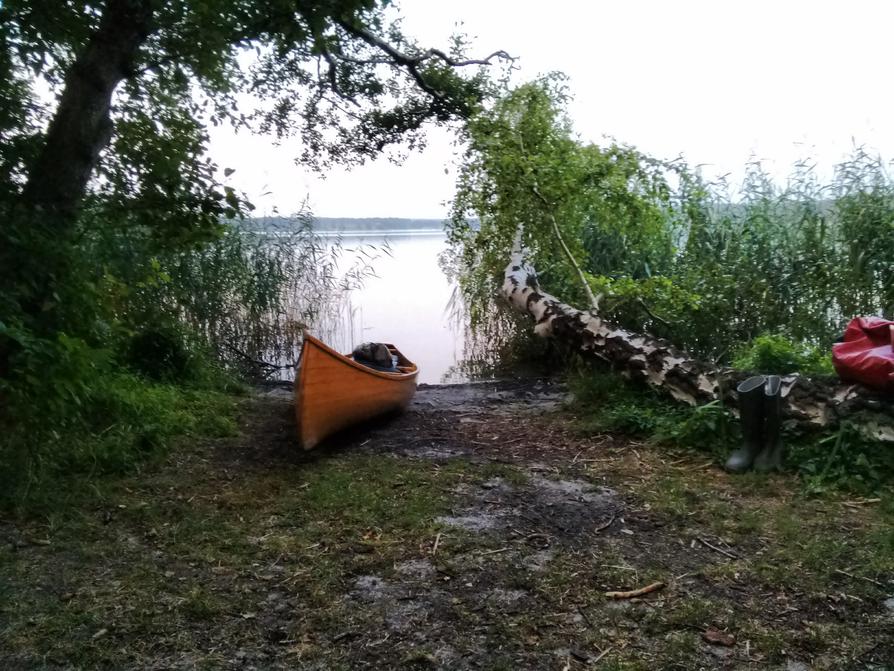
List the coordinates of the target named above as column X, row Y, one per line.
column 502, row 55
column 412, row 63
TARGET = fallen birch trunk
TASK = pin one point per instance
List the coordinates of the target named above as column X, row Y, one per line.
column 813, row 402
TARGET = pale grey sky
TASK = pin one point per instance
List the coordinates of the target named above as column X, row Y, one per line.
column 717, row 81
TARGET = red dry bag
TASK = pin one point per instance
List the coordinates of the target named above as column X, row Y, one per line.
column 866, row 355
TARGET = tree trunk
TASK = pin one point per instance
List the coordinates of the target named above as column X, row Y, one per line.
column 81, row 127
column 37, row 236
column 815, row 403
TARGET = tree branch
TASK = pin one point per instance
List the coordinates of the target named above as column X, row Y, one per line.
column 412, row 63
column 594, row 302
column 258, row 362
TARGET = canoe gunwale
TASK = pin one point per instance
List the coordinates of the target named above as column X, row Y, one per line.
column 391, row 377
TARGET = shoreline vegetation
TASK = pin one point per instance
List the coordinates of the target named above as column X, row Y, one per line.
column 154, row 509
column 204, row 320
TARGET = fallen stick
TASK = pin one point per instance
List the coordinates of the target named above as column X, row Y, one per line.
column 654, row 587
column 858, row 577
column 716, row 549
column 434, row 549
column 601, row 655
column 605, row 526
column 860, row 502
column 583, row 614
column 494, row 552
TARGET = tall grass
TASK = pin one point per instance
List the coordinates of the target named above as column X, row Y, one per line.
column 798, row 259
column 167, row 328
column 719, row 267
column 252, row 293
column 245, row 296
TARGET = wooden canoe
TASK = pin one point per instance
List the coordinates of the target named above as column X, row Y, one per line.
column 333, row 392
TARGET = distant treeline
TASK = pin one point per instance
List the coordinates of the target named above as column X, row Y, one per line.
column 342, row 224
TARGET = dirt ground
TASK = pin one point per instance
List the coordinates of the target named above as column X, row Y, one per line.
column 479, row 530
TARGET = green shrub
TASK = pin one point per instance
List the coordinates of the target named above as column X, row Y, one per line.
column 160, row 354
column 122, row 421
column 605, row 401
column 143, row 338
column 844, row 460
column 776, row 354
column 709, row 428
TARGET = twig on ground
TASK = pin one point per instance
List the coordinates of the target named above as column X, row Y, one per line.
column 343, row 635
column 434, row 549
column 605, row 526
column 621, row 568
column 543, row 537
column 716, row 549
column 601, row 655
column 494, row 552
column 859, row 577
column 583, row 614
column 860, row 502
column 654, row 587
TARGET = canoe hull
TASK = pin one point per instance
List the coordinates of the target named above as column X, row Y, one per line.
column 333, row 392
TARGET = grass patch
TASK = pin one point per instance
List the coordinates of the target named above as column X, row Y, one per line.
column 326, row 558
column 171, row 555
column 130, row 423
column 843, row 461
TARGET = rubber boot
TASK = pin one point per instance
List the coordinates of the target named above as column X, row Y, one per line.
column 770, row 458
column 751, row 414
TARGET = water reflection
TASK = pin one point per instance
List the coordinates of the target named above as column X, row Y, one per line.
column 405, row 303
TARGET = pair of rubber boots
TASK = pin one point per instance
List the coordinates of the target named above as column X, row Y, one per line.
column 760, row 410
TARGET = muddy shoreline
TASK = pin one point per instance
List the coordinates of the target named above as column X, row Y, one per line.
column 477, row 530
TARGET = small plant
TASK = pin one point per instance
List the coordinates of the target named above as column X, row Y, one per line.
column 709, row 428
column 778, row 355
column 845, row 460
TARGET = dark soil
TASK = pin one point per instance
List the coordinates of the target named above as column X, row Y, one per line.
column 476, row 531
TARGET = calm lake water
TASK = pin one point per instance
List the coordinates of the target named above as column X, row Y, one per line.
column 405, row 304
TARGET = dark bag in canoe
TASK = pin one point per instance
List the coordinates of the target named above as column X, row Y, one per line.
column 375, row 355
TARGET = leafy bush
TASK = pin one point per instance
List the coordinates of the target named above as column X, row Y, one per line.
column 607, row 402
column 110, row 424
column 160, row 354
column 709, row 428
column 704, row 265
column 776, row 354
column 845, row 460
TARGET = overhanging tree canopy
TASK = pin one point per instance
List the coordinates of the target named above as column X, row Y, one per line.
column 136, row 82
